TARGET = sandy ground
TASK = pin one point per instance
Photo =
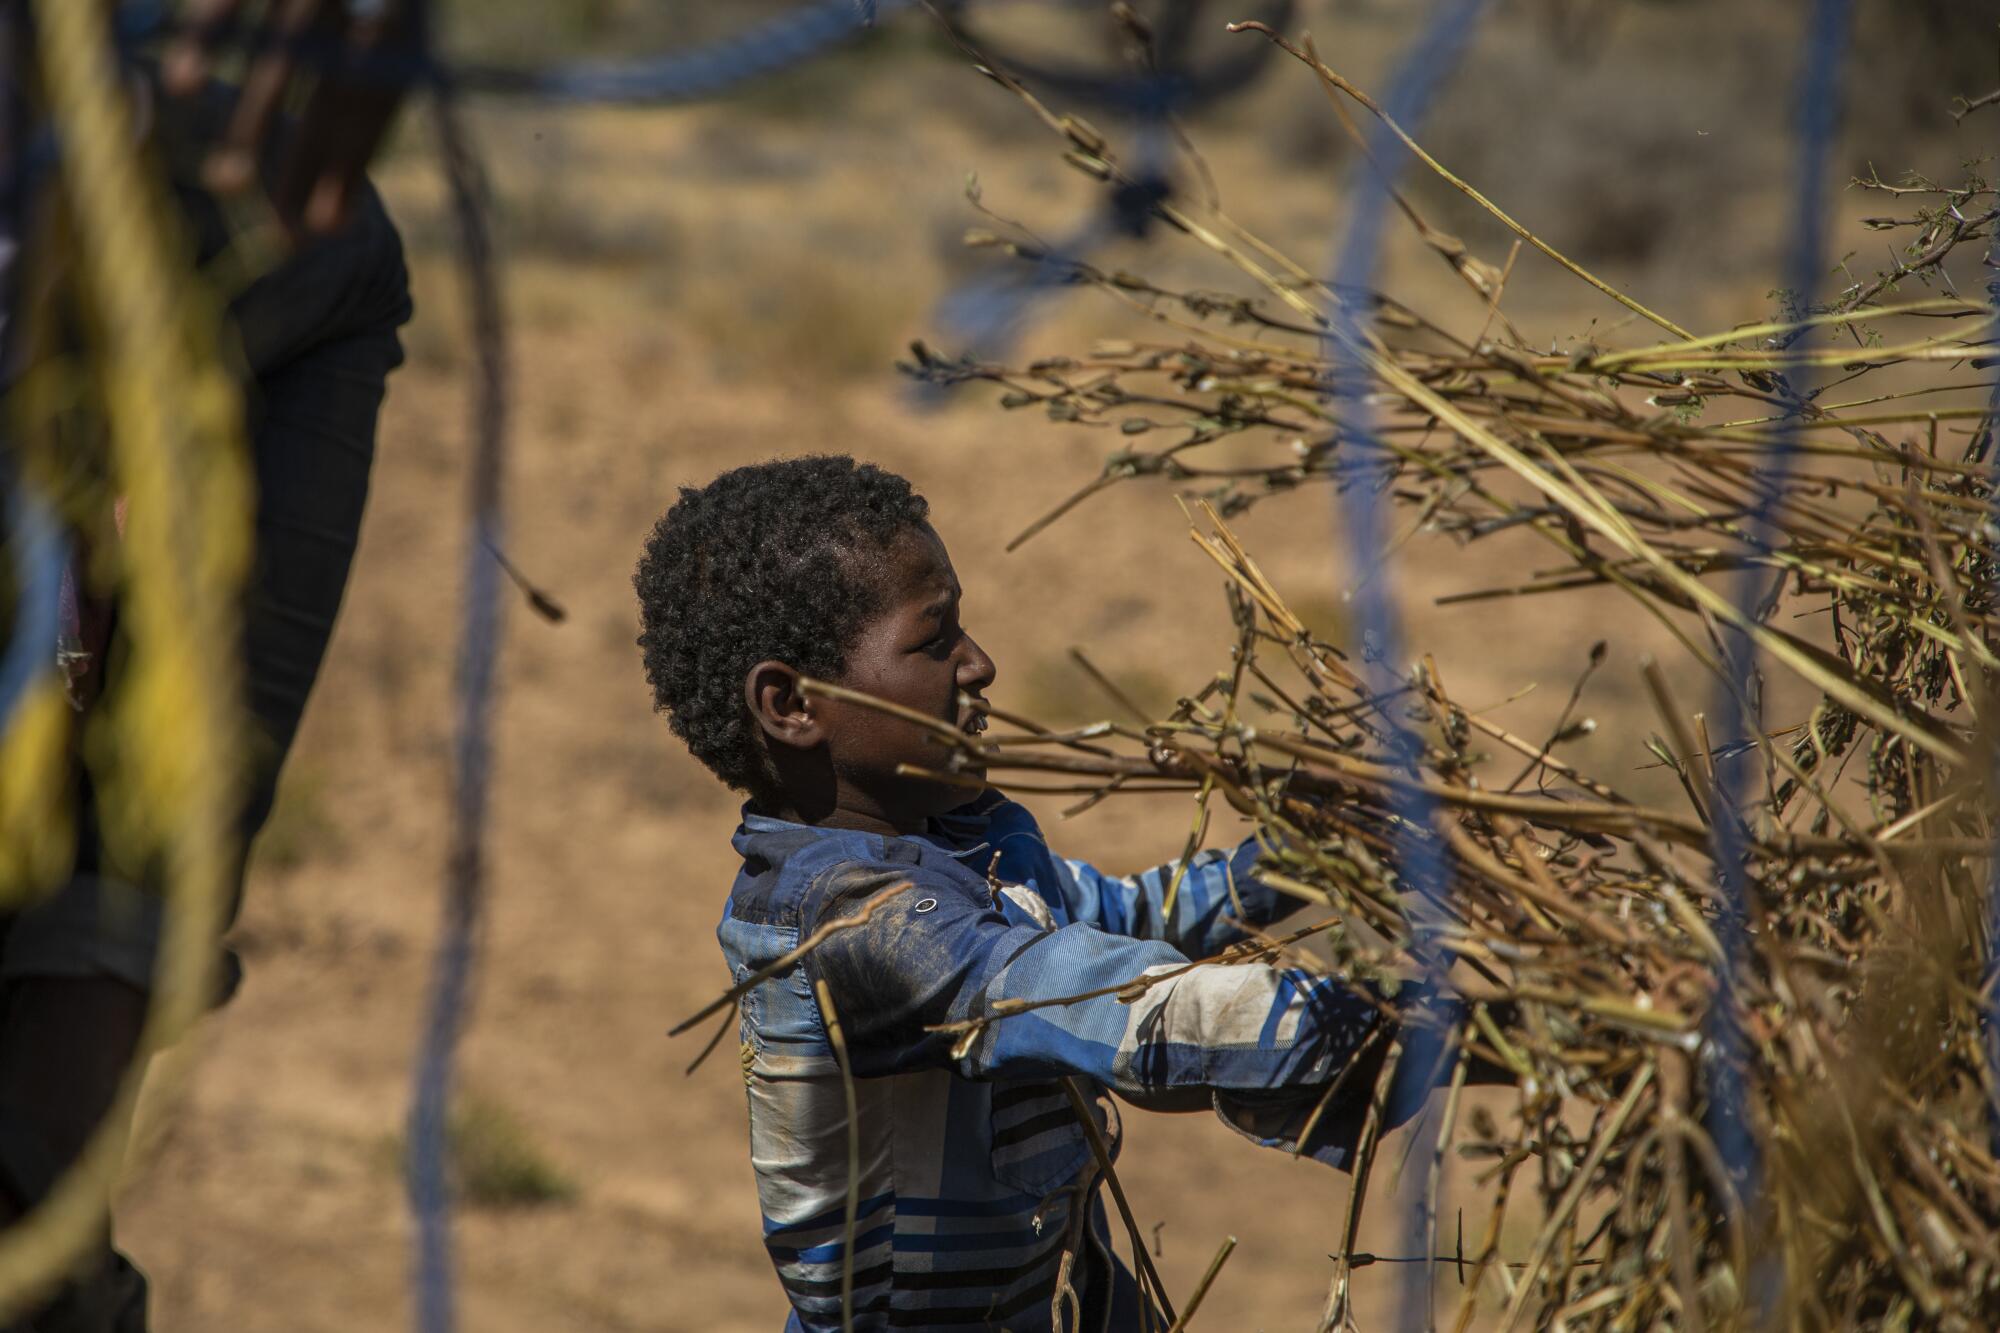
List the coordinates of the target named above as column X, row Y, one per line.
column 692, row 290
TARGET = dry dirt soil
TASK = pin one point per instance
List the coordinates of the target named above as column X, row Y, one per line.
column 696, row 288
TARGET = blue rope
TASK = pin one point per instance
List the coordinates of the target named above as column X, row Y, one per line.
column 798, row 35
column 682, row 76
column 479, row 637
column 39, row 557
column 693, row 74
column 986, row 313
column 38, row 546
column 1417, row 852
column 706, row 71
column 1173, row 80
column 1728, row 1121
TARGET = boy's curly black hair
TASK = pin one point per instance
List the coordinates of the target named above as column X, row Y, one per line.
column 764, row 562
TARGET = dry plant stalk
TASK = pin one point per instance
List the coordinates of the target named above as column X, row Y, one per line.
column 1862, row 993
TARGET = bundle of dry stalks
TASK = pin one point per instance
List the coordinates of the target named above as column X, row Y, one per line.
column 1861, row 989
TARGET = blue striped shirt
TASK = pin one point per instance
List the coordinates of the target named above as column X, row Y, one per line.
column 977, row 1179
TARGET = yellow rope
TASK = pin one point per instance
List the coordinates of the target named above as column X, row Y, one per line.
column 165, row 745
column 35, row 824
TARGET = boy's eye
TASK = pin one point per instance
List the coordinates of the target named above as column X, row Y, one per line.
column 941, row 642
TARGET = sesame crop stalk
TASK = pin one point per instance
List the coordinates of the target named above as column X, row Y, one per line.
column 1861, row 983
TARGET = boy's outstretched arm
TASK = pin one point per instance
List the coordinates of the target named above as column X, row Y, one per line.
column 1218, row 892
column 1263, row 1042
column 1216, row 896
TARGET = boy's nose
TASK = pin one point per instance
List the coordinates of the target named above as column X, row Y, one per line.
column 975, row 669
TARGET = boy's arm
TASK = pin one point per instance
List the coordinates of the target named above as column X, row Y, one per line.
column 1263, row 1042
column 1219, row 890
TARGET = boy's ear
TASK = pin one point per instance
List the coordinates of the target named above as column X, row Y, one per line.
column 781, row 710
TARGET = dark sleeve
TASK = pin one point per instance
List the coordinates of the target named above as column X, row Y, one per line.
column 318, row 335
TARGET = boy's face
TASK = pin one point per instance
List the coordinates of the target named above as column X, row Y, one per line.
column 913, row 652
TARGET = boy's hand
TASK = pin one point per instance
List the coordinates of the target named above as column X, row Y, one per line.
column 348, row 113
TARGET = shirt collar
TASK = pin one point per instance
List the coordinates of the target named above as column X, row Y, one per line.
column 958, row 833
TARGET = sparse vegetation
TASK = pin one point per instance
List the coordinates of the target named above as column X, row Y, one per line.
column 495, row 1160
column 795, row 320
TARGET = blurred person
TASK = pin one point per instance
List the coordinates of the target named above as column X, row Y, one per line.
column 979, row 1192
column 316, row 340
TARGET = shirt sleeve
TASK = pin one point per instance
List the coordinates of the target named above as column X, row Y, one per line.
column 1219, row 890
column 938, row 954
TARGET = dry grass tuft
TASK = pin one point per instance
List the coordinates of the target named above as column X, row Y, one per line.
column 496, row 1162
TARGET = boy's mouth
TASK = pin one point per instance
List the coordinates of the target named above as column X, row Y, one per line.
column 974, row 722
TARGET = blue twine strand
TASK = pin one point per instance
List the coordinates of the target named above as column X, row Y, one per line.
column 479, row 637
column 1417, row 854
column 693, row 74
column 39, row 557
column 1736, row 704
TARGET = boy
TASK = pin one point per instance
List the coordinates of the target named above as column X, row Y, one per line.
column 978, row 1195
